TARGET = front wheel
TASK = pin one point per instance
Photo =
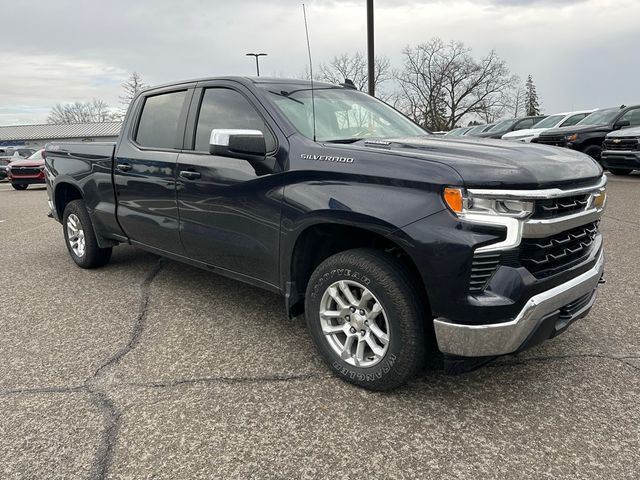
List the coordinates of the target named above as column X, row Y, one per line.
column 620, row 171
column 594, row 151
column 366, row 318
column 19, row 186
column 80, row 238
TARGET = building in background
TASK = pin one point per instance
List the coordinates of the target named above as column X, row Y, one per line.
column 37, row 136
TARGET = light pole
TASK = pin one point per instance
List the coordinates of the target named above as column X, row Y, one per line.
column 256, row 55
column 370, row 52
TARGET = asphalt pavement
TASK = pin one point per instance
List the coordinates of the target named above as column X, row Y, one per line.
column 150, row 369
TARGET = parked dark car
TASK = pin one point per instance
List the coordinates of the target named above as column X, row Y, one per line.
column 511, row 125
column 392, row 242
column 5, row 160
column 621, row 154
column 25, row 172
column 588, row 135
column 480, row 129
column 474, row 130
column 457, row 132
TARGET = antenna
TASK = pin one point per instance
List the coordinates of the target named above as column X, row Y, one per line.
column 313, row 102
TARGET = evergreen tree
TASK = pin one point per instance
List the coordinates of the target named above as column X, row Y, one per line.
column 532, row 104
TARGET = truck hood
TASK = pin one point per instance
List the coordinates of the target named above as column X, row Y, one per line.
column 27, row 163
column 497, row 163
column 625, row 133
column 576, row 129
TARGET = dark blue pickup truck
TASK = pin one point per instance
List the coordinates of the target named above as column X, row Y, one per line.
column 393, row 242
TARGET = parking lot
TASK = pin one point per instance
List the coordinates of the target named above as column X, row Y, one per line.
column 148, row 368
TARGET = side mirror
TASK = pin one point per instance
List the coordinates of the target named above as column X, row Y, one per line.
column 622, row 124
column 236, row 143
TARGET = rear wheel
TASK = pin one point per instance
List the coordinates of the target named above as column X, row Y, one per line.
column 80, row 238
column 620, row 171
column 19, row 186
column 594, row 151
column 366, row 320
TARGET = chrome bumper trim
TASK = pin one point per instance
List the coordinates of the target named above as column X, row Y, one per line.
column 503, row 338
column 545, row 228
column 537, row 194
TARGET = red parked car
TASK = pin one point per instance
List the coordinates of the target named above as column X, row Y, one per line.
column 24, row 172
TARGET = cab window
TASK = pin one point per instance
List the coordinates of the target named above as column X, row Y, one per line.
column 159, row 122
column 226, row 108
column 632, row 116
column 573, row 119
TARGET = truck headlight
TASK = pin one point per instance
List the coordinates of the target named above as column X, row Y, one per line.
column 571, row 138
column 463, row 204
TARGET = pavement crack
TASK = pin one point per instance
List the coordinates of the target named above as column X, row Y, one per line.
column 46, row 390
column 230, row 380
column 111, row 417
column 138, row 326
column 551, row 358
column 100, row 395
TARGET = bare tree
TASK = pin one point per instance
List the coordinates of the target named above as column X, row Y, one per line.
column 518, row 100
column 79, row 112
column 442, row 83
column 132, row 86
column 354, row 68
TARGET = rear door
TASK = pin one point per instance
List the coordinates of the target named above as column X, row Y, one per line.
column 229, row 212
column 145, row 168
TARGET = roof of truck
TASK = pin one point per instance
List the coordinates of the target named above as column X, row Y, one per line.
column 247, row 80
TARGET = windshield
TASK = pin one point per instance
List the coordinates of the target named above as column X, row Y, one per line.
column 503, row 125
column 478, row 129
column 342, row 115
column 549, row 121
column 37, row 155
column 600, row 117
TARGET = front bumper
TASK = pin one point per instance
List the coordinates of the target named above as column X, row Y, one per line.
column 621, row 159
column 31, row 179
column 514, row 335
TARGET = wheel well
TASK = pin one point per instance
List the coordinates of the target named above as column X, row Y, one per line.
column 592, row 142
column 319, row 242
column 65, row 193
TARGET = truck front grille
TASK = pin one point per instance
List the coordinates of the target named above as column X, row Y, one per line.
column 557, row 207
column 544, row 256
column 624, row 144
column 557, row 140
column 483, row 267
column 16, row 172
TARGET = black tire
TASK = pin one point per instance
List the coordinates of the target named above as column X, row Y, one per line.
column 19, row 186
column 405, row 312
column 620, row 171
column 93, row 255
column 594, row 151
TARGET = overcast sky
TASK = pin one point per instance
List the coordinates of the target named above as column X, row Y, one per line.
column 581, row 53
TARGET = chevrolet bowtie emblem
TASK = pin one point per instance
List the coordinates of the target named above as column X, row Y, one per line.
column 616, row 140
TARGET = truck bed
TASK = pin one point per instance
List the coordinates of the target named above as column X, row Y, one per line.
column 90, row 166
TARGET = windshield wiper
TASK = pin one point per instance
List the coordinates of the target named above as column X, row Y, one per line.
column 344, row 140
column 284, row 94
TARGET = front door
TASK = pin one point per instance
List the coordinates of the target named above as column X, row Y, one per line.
column 145, row 170
column 229, row 212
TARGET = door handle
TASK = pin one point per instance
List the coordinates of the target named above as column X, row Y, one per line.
column 124, row 167
column 190, row 174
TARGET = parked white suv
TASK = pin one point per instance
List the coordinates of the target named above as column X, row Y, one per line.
column 565, row 119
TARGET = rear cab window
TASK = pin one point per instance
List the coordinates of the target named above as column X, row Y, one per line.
column 159, row 122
